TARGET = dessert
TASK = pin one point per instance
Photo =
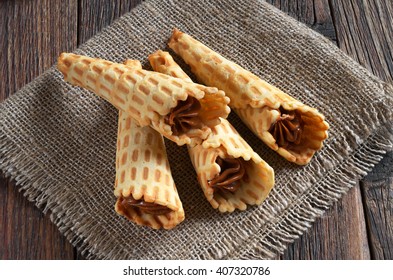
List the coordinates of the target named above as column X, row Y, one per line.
column 149, row 97
column 296, row 131
column 230, row 173
column 144, row 187
column 139, row 148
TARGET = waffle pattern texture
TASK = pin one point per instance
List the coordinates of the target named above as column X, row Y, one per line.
column 253, row 99
column 58, row 141
column 143, row 171
column 224, row 142
column 147, row 96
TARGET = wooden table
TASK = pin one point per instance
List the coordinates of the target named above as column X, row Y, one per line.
column 33, row 33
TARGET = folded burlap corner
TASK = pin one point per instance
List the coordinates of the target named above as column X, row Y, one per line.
column 58, row 141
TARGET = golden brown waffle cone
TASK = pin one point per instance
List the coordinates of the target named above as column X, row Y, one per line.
column 127, row 129
column 224, row 142
column 135, row 64
column 143, row 172
column 251, row 95
column 163, row 62
column 147, row 96
column 314, row 130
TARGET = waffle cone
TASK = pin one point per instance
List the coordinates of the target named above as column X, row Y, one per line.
column 163, row 62
column 251, row 97
column 314, row 130
column 224, row 142
column 143, row 172
column 147, row 96
column 134, row 214
column 135, row 64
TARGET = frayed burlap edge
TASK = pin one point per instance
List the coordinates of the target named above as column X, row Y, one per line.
column 273, row 238
column 294, row 221
column 261, row 244
column 15, row 166
column 312, row 205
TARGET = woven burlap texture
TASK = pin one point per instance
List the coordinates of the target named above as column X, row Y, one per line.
column 59, row 142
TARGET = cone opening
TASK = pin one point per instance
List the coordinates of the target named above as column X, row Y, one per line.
column 185, row 116
column 298, row 132
column 287, row 130
column 233, row 172
column 140, row 205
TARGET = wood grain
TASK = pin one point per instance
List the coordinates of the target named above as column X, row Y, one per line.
column 35, row 34
column 365, row 32
column 378, row 197
column 314, row 13
column 341, row 232
column 32, row 35
column 377, row 190
column 95, row 15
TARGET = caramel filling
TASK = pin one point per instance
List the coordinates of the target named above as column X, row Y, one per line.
column 287, row 130
column 184, row 116
column 146, row 207
column 232, row 172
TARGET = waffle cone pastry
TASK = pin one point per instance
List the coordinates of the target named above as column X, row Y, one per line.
column 135, row 64
column 144, row 185
column 230, row 173
column 296, row 131
column 139, row 148
column 163, row 62
column 181, row 111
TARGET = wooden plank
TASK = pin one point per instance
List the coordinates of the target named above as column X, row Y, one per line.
column 331, row 236
column 95, row 15
column 32, row 36
column 302, row 10
column 26, row 233
column 87, row 28
column 339, row 235
column 314, row 13
column 377, row 190
column 378, row 197
column 365, row 32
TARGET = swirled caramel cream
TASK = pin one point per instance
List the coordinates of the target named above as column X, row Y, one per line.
column 287, row 130
column 232, row 172
column 146, row 207
column 184, row 116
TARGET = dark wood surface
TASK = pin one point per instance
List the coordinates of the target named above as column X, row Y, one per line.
column 33, row 33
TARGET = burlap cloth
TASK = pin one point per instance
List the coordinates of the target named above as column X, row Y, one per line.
column 58, row 141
